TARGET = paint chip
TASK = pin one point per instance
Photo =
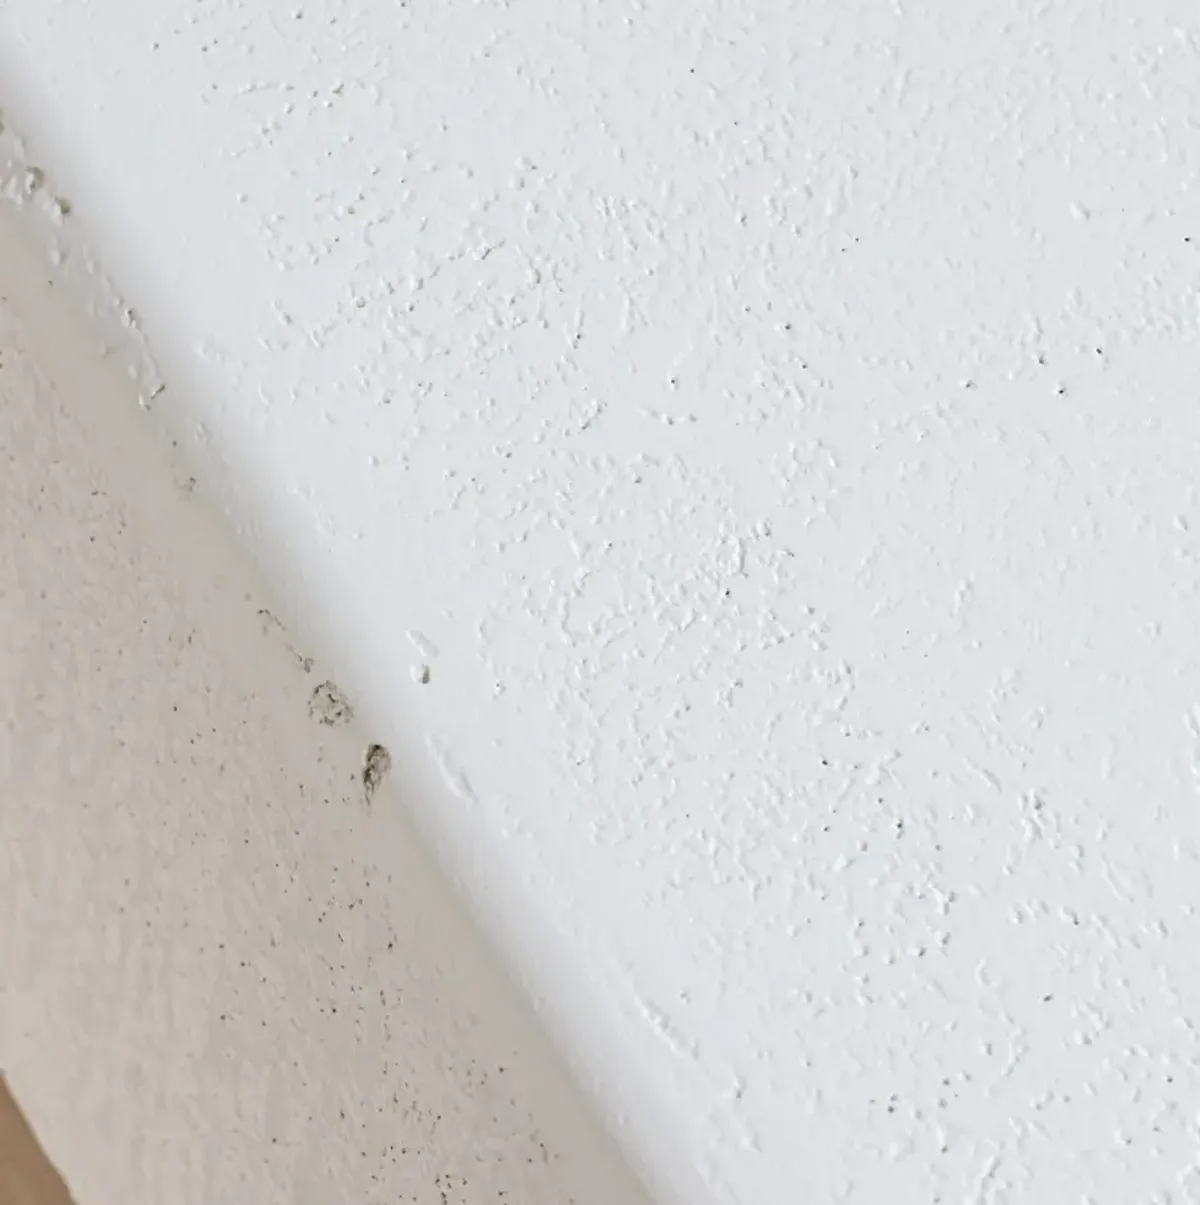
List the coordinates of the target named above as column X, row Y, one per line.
column 327, row 705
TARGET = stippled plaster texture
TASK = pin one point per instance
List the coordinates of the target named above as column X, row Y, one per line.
column 228, row 972
column 749, row 450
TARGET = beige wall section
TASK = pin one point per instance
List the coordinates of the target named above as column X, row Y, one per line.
column 226, row 974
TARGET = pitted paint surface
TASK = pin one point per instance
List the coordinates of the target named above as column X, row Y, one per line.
column 781, row 421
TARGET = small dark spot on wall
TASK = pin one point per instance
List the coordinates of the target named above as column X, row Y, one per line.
column 377, row 761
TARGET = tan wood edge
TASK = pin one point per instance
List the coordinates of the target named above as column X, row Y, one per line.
column 27, row 1177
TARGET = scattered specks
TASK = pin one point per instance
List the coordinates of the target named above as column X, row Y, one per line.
column 377, row 761
column 668, row 420
column 323, row 905
column 269, row 618
column 327, row 705
column 925, row 448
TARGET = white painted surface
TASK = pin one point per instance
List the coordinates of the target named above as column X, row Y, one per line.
column 226, row 973
column 778, row 425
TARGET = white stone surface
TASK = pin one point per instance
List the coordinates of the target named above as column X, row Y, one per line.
column 772, row 429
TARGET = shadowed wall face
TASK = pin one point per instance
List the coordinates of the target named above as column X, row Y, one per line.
column 228, row 972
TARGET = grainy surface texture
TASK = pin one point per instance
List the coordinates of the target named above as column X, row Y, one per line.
column 223, row 977
column 750, row 452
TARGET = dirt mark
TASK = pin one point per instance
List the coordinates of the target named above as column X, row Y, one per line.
column 377, row 761
column 327, row 705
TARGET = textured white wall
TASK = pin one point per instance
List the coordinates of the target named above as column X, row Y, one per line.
column 773, row 430
column 228, row 973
